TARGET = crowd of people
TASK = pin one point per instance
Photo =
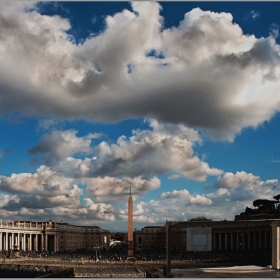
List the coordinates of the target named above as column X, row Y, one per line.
column 120, row 255
column 25, row 254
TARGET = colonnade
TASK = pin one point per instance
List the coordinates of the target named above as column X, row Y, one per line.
column 246, row 240
column 28, row 241
column 25, row 240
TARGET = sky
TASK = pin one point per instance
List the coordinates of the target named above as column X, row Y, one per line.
column 179, row 100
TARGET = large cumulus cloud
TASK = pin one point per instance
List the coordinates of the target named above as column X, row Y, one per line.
column 209, row 75
column 166, row 148
column 59, row 144
column 44, row 189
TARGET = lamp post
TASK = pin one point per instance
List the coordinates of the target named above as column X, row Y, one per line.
column 97, row 247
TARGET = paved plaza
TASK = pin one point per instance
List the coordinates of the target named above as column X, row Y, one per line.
column 129, row 269
column 250, row 271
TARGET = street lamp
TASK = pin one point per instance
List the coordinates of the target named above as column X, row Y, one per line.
column 97, row 247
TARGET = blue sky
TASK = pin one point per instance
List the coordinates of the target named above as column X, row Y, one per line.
column 178, row 100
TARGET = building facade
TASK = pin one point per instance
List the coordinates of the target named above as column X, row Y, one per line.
column 154, row 237
column 52, row 236
column 207, row 235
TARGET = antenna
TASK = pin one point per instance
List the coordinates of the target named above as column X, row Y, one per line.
column 130, row 190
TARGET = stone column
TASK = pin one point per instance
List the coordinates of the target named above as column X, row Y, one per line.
column 231, row 241
column 31, row 242
column 226, row 241
column 168, row 249
column 46, row 242
column 42, row 242
column 214, row 241
column 7, row 240
column 220, row 241
column 24, row 241
column 249, row 240
column 260, row 239
column 18, row 240
column 28, row 241
column 55, row 244
column 21, row 240
column 13, row 239
column 275, row 245
column 108, row 242
column 1, row 235
column 265, row 240
column 243, row 240
column 237, row 240
column 36, row 241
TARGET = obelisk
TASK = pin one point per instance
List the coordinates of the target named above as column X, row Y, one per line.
column 130, row 226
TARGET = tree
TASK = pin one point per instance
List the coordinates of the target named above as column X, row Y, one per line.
column 265, row 204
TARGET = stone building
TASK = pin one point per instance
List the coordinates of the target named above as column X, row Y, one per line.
column 153, row 237
column 207, row 235
column 52, row 236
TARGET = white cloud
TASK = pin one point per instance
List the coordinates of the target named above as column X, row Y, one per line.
column 200, row 200
column 7, row 199
column 166, row 148
column 255, row 14
column 110, row 189
column 174, row 194
column 45, row 182
column 247, row 187
column 229, row 199
column 207, row 75
column 189, row 198
column 274, row 30
column 235, row 192
column 94, row 135
column 49, row 124
column 59, row 144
